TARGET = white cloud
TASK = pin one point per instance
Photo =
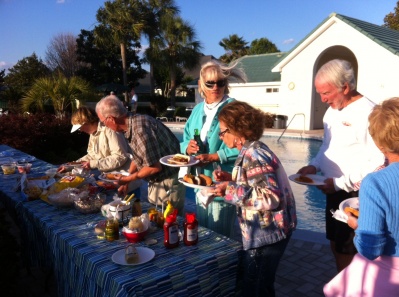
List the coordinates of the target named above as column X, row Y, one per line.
column 289, row 41
column 60, row 1
column 4, row 65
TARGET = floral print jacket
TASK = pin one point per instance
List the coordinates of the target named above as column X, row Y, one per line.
column 261, row 191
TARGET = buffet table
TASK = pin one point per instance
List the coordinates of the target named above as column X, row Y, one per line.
column 64, row 240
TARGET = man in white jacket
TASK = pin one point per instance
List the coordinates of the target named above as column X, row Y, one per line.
column 348, row 152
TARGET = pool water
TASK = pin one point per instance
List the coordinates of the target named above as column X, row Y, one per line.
column 294, row 153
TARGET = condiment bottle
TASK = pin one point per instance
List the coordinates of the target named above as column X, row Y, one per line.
column 171, row 231
column 136, row 209
column 190, row 229
column 197, row 138
column 110, row 229
column 116, row 228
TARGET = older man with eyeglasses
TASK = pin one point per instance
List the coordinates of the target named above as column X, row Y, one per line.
column 149, row 140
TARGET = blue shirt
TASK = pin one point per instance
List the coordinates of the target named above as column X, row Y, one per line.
column 378, row 225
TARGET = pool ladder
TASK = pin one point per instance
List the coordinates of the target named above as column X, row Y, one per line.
column 303, row 130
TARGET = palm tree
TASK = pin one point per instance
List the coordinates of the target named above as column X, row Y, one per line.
column 157, row 10
column 126, row 20
column 234, row 46
column 176, row 47
column 60, row 91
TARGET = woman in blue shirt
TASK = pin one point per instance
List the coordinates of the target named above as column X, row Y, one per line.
column 374, row 271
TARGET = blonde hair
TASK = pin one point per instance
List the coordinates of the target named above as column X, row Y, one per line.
column 84, row 115
column 383, row 125
column 243, row 120
column 214, row 70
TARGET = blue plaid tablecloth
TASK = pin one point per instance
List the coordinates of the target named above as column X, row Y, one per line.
column 64, row 240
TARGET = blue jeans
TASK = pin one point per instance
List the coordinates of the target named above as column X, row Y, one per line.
column 257, row 269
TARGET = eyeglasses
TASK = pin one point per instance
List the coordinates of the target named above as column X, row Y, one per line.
column 219, row 83
column 221, row 134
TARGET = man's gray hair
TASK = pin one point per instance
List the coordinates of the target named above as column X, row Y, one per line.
column 111, row 106
column 337, row 72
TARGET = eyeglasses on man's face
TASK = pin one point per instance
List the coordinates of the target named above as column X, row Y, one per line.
column 221, row 134
column 220, row 83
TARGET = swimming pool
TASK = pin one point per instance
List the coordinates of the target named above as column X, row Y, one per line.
column 295, row 153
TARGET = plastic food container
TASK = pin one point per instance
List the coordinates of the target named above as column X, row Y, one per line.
column 8, row 168
column 132, row 236
column 90, row 204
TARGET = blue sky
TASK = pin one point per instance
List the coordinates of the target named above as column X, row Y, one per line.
column 27, row 26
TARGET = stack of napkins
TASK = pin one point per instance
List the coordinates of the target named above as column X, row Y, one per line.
column 339, row 215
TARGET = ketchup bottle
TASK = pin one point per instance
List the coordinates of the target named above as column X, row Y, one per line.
column 190, row 229
column 171, row 231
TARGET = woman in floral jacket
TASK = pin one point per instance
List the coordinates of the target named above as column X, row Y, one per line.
column 260, row 189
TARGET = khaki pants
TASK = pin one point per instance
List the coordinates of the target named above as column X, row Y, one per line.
column 157, row 191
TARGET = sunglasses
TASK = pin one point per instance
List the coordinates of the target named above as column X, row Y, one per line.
column 211, row 83
column 221, row 134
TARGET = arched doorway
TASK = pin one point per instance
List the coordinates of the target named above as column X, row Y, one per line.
column 319, row 108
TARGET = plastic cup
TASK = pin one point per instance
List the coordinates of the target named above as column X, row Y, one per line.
column 21, row 168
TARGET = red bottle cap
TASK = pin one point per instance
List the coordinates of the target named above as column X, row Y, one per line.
column 190, row 217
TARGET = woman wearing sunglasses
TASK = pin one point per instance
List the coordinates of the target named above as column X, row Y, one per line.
column 213, row 86
column 260, row 189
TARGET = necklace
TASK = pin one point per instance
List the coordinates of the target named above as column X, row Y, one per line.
column 210, row 107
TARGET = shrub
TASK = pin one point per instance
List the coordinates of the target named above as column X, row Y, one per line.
column 43, row 136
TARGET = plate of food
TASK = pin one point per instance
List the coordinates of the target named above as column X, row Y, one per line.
column 139, row 255
column 72, row 165
column 112, row 176
column 179, row 160
column 308, row 179
column 197, row 182
column 351, row 205
column 106, row 185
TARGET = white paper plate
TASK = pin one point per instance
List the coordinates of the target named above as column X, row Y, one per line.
column 318, row 180
column 195, row 186
column 164, row 161
column 102, row 176
column 350, row 202
column 145, row 255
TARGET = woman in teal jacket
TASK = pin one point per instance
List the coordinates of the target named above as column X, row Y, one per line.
column 214, row 88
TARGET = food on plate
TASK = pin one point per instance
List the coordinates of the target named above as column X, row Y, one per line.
column 106, row 185
column 75, row 163
column 136, row 225
column 112, row 176
column 304, row 179
column 131, row 255
column 352, row 210
column 179, row 159
column 202, row 180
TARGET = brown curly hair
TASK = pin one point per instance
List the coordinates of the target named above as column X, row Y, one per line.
column 243, row 120
column 84, row 115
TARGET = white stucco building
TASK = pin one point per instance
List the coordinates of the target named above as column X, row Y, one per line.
column 282, row 83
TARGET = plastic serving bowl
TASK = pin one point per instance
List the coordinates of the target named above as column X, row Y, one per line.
column 8, row 168
column 132, row 236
